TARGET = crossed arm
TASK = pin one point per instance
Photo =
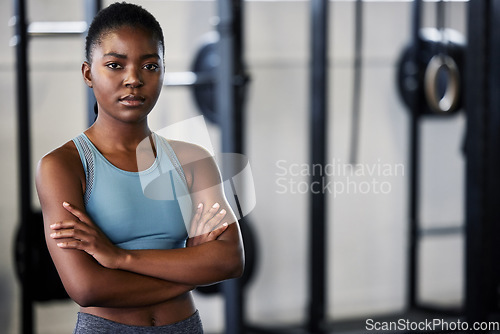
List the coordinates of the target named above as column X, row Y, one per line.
column 97, row 273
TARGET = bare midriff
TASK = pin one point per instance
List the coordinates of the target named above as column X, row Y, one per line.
column 168, row 312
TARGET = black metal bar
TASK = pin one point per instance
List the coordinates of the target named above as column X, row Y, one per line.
column 318, row 152
column 230, row 120
column 57, row 29
column 24, row 155
column 240, row 76
column 175, row 79
column 92, row 7
column 414, row 153
column 476, row 104
column 356, row 87
column 492, row 244
column 439, row 231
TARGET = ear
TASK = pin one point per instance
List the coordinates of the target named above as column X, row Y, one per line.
column 87, row 77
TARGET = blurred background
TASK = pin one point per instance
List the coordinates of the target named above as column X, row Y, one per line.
column 368, row 228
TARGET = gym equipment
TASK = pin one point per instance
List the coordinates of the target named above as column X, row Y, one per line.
column 206, row 61
column 202, row 77
column 420, row 86
column 38, row 277
column 316, row 321
column 33, row 264
column 439, row 72
column 482, row 150
column 318, row 156
column 356, row 86
column 431, row 68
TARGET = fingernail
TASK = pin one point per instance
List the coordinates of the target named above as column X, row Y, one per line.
column 53, row 225
column 225, row 224
column 216, row 205
column 65, row 203
column 60, row 244
column 200, row 205
column 52, row 235
column 222, row 212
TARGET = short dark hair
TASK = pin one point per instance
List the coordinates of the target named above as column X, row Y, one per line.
column 116, row 16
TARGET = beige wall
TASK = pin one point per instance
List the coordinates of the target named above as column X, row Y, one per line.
column 367, row 232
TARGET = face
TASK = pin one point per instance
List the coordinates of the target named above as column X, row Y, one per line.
column 126, row 74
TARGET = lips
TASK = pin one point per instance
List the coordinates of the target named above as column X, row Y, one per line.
column 132, row 100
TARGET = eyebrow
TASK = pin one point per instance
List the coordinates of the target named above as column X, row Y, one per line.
column 122, row 56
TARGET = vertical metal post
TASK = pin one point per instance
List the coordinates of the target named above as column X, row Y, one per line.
column 491, row 244
column 414, row 154
column 318, row 152
column 356, row 86
column 24, row 154
column 230, row 122
column 479, row 286
column 92, row 7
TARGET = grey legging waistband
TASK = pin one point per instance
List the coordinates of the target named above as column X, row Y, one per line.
column 91, row 324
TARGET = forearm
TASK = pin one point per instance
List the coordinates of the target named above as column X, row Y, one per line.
column 207, row 263
column 143, row 291
column 102, row 287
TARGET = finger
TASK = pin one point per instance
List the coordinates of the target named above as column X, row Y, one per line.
column 213, row 235
column 211, row 224
column 211, row 212
column 219, row 230
column 195, row 219
column 205, row 218
column 73, row 244
column 215, row 221
column 68, row 233
column 64, row 224
column 76, row 212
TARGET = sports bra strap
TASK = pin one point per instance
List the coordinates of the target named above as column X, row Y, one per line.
column 87, row 159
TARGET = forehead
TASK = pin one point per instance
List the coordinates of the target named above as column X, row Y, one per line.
column 128, row 40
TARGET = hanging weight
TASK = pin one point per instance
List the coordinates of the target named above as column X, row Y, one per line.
column 204, row 68
column 442, row 64
column 33, row 263
column 437, row 74
column 206, row 61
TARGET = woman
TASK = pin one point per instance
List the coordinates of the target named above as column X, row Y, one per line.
column 120, row 254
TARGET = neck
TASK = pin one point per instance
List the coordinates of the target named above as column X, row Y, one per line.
column 124, row 136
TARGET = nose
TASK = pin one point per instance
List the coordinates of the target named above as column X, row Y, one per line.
column 133, row 78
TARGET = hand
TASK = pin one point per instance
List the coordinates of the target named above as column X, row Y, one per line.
column 81, row 233
column 206, row 226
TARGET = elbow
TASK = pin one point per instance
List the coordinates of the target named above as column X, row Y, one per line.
column 232, row 266
column 237, row 265
column 83, row 301
column 234, row 271
column 238, row 271
column 82, row 295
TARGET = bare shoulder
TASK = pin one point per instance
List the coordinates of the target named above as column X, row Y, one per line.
column 63, row 161
column 198, row 164
column 63, row 156
column 188, row 152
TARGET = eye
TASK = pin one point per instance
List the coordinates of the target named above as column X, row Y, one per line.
column 114, row 66
column 151, row 67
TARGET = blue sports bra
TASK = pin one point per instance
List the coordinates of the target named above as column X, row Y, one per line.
column 149, row 209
